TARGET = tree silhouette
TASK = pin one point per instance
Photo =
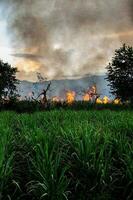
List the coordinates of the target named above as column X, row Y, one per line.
column 44, row 93
column 8, row 80
column 120, row 73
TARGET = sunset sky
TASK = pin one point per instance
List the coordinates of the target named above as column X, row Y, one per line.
column 63, row 38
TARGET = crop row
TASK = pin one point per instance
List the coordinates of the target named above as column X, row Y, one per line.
column 60, row 155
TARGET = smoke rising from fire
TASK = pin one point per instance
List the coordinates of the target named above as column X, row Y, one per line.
column 66, row 38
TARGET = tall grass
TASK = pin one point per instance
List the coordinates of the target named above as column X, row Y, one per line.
column 6, row 156
column 74, row 155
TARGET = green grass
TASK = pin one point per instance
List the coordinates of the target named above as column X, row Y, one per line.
column 58, row 155
column 6, row 155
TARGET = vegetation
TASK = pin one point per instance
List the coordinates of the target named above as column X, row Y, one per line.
column 75, row 149
column 120, row 73
column 8, row 80
column 72, row 155
column 26, row 106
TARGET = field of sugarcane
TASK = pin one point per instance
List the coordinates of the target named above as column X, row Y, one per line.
column 65, row 154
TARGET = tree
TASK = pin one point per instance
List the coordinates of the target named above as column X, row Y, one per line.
column 120, row 73
column 44, row 93
column 8, row 80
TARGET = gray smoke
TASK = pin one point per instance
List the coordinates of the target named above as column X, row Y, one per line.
column 131, row 9
column 65, row 38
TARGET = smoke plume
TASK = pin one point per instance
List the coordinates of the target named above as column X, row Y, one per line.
column 65, row 38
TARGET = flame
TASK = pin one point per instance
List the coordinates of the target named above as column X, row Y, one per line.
column 117, row 101
column 86, row 97
column 90, row 93
column 70, row 97
column 99, row 101
column 105, row 100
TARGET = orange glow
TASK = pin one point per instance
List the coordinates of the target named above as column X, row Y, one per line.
column 90, row 93
column 99, row 101
column 105, row 100
column 117, row 101
column 28, row 65
column 86, row 97
column 70, row 97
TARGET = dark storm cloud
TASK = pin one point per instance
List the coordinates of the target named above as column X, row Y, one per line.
column 65, row 38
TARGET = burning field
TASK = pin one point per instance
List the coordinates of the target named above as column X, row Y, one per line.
column 66, row 100
column 69, row 96
column 90, row 95
column 73, row 149
column 66, row 155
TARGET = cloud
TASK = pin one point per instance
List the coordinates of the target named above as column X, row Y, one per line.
column 64, row 38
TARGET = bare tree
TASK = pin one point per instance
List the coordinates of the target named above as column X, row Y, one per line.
column 44, row 93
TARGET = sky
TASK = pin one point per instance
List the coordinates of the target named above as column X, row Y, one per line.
column 63, row 38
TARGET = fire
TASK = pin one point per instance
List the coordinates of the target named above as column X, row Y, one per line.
column 99, row 101
column 70, row 97
column 90, row 93
column 86, row 97
column 117, row 101
column 105, row 100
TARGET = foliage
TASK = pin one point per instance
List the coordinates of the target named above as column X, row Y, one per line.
column 6, row 156
column 8, row 80
column 26, row 106
column 69, row 155
column 120, row 73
